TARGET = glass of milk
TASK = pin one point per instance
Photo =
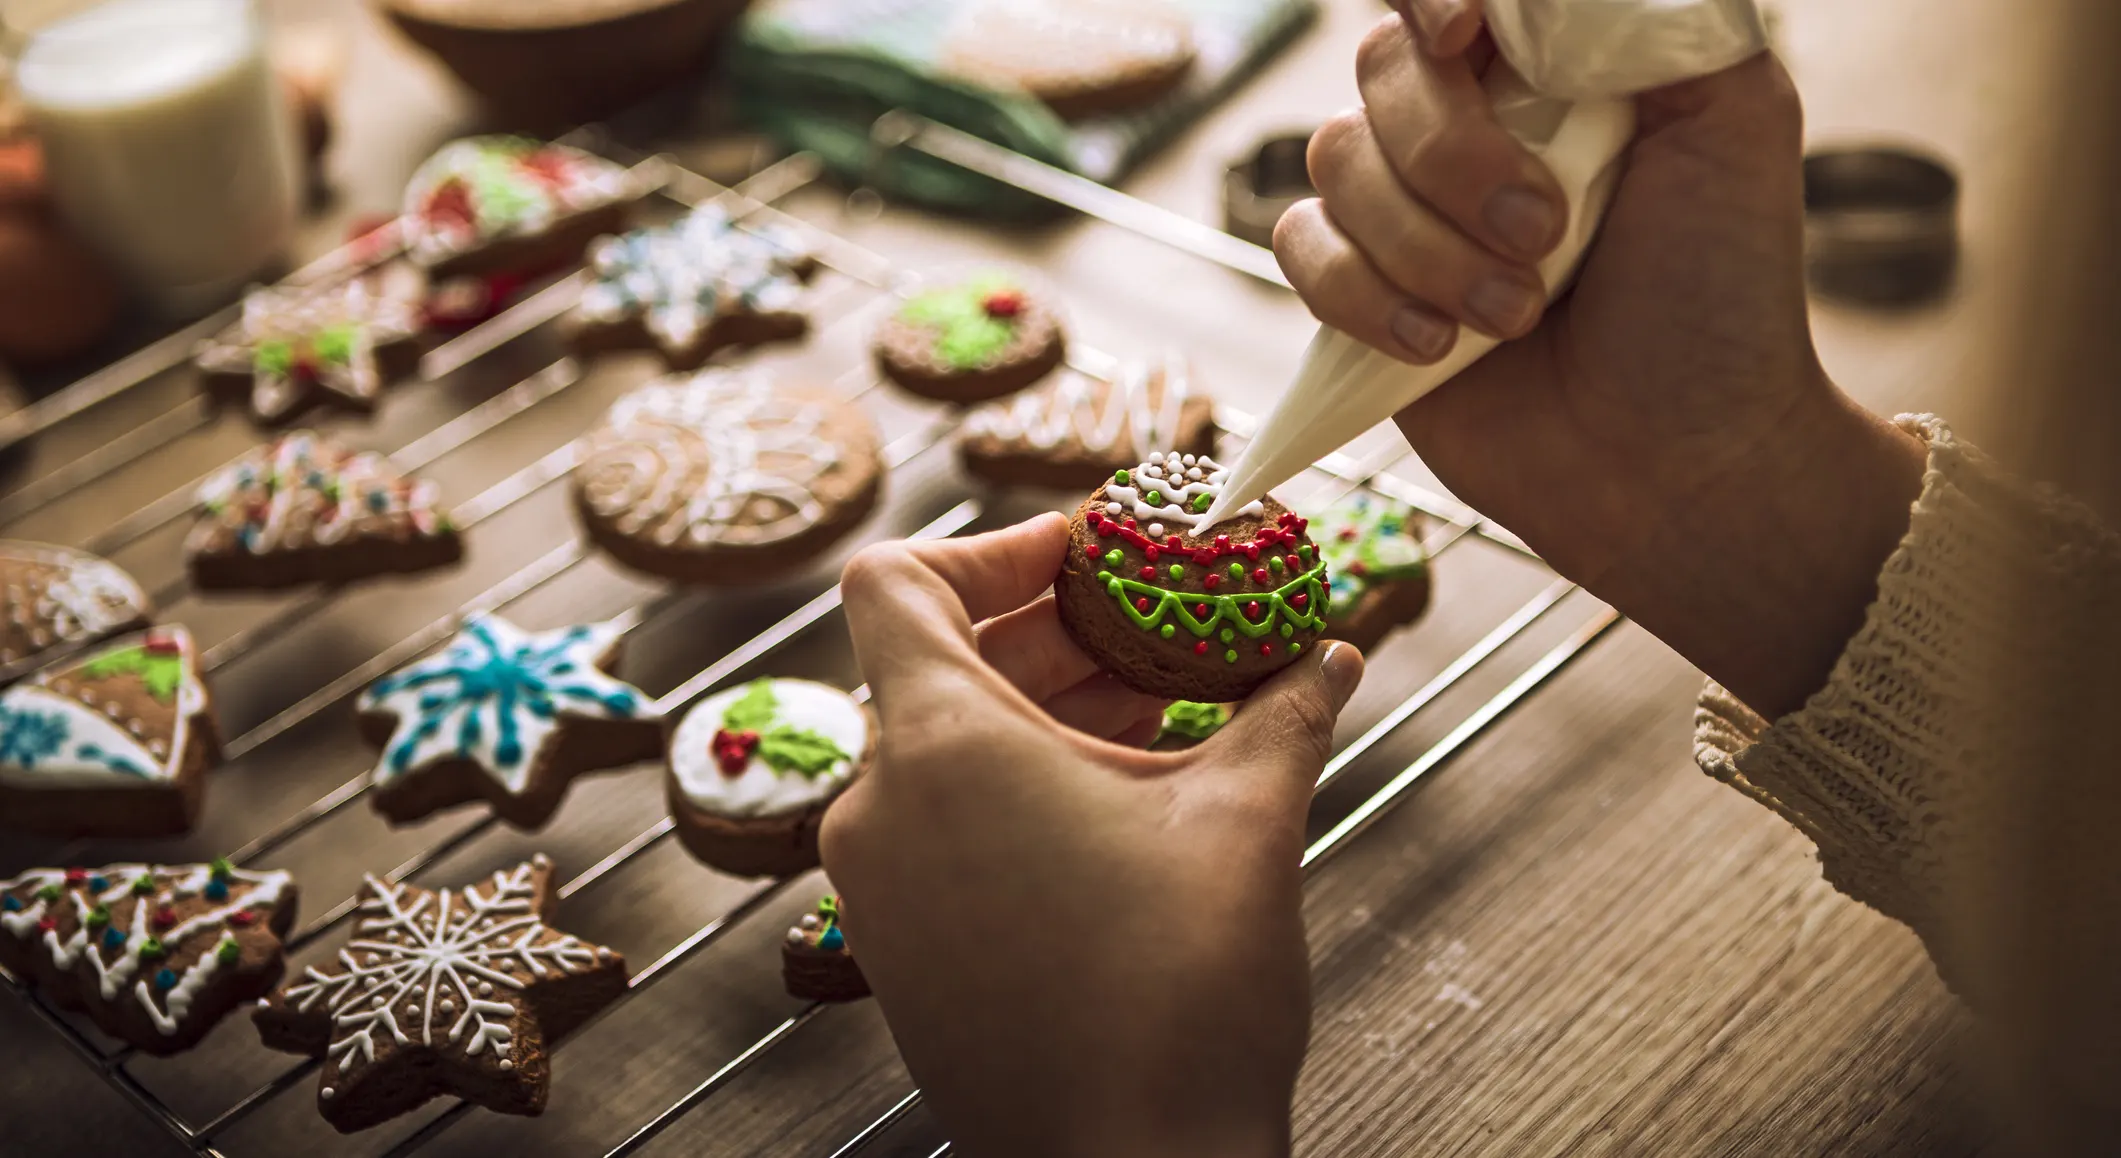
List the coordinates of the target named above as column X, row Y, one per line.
column 166, row 140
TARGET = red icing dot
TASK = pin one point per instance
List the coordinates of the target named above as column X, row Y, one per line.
column 1172, row 540
column 1129, row 524
column 1252, row 609
column 1006, row 303
column 1356, row 568
column 1296, row 565
column 1347, row 534
column 1251, row 550
column 1149, row 553
column 1091, row 550
column 1298, row 600
column 1148, row 572
column 1266, row 649
column 1106, row 529
column 305, row 368
column 47, row 924
column 1142, row 605
column 1213, row 581
column 1201, row 648
column 1200, row 611
column 75, row 876
column 165, row 917
column 732, row 750
column 241, row 917
column 1222, row 542
column 1259, row 576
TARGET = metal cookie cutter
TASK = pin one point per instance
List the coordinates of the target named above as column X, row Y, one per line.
column 1260, row 187
column 1881, row 224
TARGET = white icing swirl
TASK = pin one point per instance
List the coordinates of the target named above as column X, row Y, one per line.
column 1139, row 410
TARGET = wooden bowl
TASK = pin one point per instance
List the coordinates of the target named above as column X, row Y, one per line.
column 547, row 64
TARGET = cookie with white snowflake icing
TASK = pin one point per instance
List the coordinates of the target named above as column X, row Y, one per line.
column 816, row 964
column 971, row 340
column 510, row 205
column 298, row 347
column 1074, row 431
column 59, row 599
column 1380, row 573
column 115, row 741
column 726, row 476
column 506, row 716
column 303, row 509
column 692, row 287
column 156, row 954
column 443, row 992
column 753, row 768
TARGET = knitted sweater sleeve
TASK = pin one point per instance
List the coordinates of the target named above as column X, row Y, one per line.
column 2000, row 593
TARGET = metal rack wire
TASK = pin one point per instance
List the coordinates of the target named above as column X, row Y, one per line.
column 865, row 270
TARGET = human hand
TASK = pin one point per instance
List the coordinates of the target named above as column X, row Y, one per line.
column 1082, row 948
column 1665, row 418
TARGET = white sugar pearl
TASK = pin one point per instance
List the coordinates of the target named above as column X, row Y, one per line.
column 382, row 999
column 541, row 860
column 809, row 921
column 1194, row 474
column 326, row 1093
column 486, row 989
column 603, row 953
column 370, row 959
column 507, row 1065
column 795, row 936
column 1114, row 509
column 1156, row 530
column 447, row 1006
column 1189, row 460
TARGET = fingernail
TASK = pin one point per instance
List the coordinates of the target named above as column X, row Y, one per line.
column 1524, row 220
column 1504, row 305
column 1436, row 15
column 1427, row 336
column 1342, row 665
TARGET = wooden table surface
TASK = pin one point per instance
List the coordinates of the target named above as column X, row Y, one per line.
column 1568, row 942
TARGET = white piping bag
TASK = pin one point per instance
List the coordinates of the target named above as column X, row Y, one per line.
column 1564, row 87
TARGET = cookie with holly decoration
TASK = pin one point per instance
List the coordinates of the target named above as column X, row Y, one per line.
column 1182, row 610
column 753, row 768
column 816, row 964
column 511, row 205
column 115, row 741
column 975, row 339
column 303, row 509
column 1380, row 571
column 695, row 286
column 296, row 348
column 155, row 954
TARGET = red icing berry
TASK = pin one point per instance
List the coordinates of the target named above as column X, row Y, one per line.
column 1129, row 524
column 1251, row 550
column 1200, row 611
column 1004, row 303
column 1222, row 542
column 1296, row 565
column 1149, row 553
column 1259, row 576
column 164, row 917
column 1148, row 572
column 241, row 917
column 1298, row 600
column 732, row 750
column 1142, row 605
column 305, row 368
column 1201, row 648
column 1266, row 649
column 1173, row 541
column 1106, row 530
column 1252, row 609
column 75, row 876
column 47, row 924
column 1091, row 550
column 1213, row 581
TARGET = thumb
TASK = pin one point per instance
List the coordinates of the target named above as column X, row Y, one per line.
column 1283, row 733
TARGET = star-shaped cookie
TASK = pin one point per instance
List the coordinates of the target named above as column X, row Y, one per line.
column 299, row 347
column 450, row 991
column 692, row 287
column 506, row 716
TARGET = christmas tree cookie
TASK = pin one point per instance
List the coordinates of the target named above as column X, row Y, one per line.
column 693, row 287
column 753, row 768
column 973, row 340
column 57, row 600
column 155, row 954
column 303, row 509
column 443, row 992
column 1372, row 548
column 506, row 716
column 1072, row 432
column 296, row 348
column 510, row 205
column 115, row 741
column 815, row 962
column 1183, row 610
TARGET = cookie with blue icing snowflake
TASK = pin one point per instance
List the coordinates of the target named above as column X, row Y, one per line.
column 506, row 716
column 115, row 741
column 692, row 287
column 1380, row 571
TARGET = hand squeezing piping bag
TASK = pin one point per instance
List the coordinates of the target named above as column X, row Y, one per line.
column 1564, row 86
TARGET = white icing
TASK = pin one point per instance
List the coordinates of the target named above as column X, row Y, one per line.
column 51, row 740
column 678, row 278
column 1137, row 412
column 1176, row 500
column 760, row 790
column 298, row 512
column 53, row 596
column 684, row 459
column 298, row 315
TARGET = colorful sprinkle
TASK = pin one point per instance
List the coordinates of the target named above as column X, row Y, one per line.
column 165, row 979
column 98, row 917
column 1178, row 571
column 49, row 893
column 11, row 903
column 1230, row 656
column 228, row 951
column 1167, row 631
column 1113, row 557
column 112, row 937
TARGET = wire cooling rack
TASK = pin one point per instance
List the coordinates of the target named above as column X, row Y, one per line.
column 855, row 276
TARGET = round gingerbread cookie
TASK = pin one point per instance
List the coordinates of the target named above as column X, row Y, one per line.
column 753, row 768
column 1372, row 546
column 1082, row 58
column 975, row 339
column 727, row 476
column 1176, row 609
column 1074, row 431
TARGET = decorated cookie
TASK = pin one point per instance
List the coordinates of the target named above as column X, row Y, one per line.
column 57, row 600
column 451, row 991
column 973, row 340
column 692, row 287
column 1187, row 723
column 114, row 741
column 815, row 963
column 726, row 476
column 303, row 509
column 1082, row 57
column 1176, row 609
column 506, row 716
column 156, row 954
column 1380, row 573
column 753, row 768
column 296, row 348
column 485, row 205
column 1073, row 432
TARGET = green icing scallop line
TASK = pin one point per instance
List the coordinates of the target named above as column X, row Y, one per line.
column 1312, row 582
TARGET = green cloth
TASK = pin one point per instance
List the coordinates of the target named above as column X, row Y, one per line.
column 815, row 74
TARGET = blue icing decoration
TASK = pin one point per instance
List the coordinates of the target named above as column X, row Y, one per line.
column 11, row 903
column 98, row 883
column 166, row 979
column 112, row 938
column 832, row 939
column 29, row 736
column 216, row 890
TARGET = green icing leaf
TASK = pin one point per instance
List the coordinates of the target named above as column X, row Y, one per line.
column 967, row 337
column 786, row 749
column 1195, row 721
column 753, row 711
column 974, row 342
column 335, row 344
column 274, row 356
column 163, row 673
column 503, row 192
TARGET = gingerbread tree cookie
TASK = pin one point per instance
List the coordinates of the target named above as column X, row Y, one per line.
column 1380, row 573
column 693, row 287
column 510, row 205
column 113, row 742
column 303, row 509
column 295, row 348
column 58, row 599
column 816, row 964
column 506, row 716
column 1075, row 431
column 450, row 991
column 156, row 954
column 970, row 341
